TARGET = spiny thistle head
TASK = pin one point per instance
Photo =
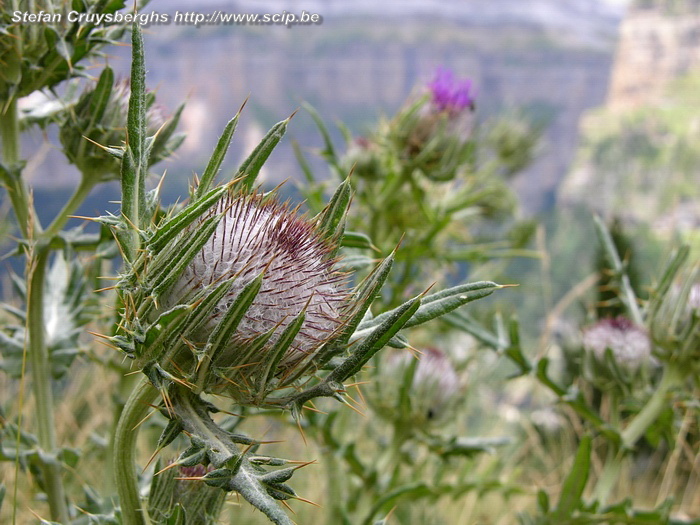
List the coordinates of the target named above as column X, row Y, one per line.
column 235, row 292
column 259, row 236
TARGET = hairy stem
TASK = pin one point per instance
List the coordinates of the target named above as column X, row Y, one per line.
column 16, row 189
column 38, row 356
column 125, row 436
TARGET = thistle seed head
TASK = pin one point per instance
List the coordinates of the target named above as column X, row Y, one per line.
column 259, row 235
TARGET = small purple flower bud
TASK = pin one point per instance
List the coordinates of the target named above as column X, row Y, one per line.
column 449, row 94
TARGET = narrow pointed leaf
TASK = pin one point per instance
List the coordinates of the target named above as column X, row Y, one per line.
column 330, row 221
column 281, row 346
column 168, row 275
column 329, row 150
column 100, row 96
column 375, row 340
column 170, row 432
column 628, row 297
column 575, row 483
column 466, row 323
column 251, row 166
column 136, row 120
column 438, row 304
column 204, row 309
column 253, row 348
column 364, row 296
column 217, row 157
column 220, row 338
column 175, row 225
column 161, row 141
column 356, row 240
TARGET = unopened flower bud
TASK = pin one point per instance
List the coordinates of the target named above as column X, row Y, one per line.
column 363, row 159
column 98, row 119
column 434, row 389
column 255, row 236
column 629, row 343
column 433, row 136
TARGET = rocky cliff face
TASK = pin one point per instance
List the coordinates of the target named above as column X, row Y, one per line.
column 639, row 157
column 655, row 48
column 358, row 68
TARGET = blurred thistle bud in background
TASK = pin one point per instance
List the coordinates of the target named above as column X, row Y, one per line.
column 40, row 54
column 415, row 391
column 364, row 159
column 674, row 312
column 93, row 131
column 616, row 350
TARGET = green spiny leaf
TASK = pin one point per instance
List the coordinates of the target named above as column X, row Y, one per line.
column 175, row 225
column 375, row 340
column 575, row 483
column 280, row 348
column 331, row 219
column 250, row 167
column 220, row 338
column 217, row 157
column 167, row 275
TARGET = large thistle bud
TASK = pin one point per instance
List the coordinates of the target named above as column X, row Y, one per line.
column 259, row 237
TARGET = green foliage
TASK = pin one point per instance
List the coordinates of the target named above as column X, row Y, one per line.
column 450, row 424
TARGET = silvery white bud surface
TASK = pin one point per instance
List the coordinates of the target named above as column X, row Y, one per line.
column 257, row 235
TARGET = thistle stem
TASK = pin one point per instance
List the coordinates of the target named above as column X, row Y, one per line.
column 16, row 190
column 125, row 437
column 672, row 377
column 38, row 356
column 81, row 192
column 609, row 476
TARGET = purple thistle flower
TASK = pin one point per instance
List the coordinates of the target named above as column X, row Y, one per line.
column 449, row 94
